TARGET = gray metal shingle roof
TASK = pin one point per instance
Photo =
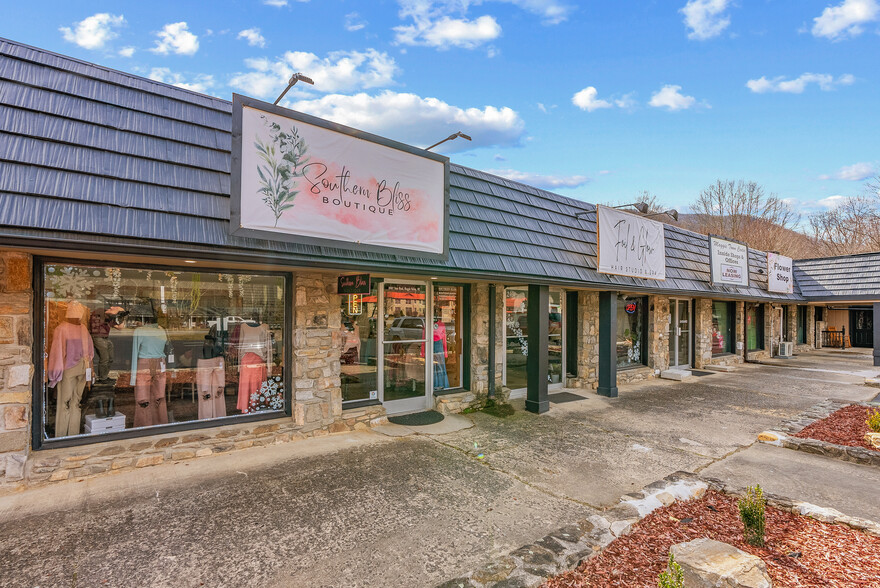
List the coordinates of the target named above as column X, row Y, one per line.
column 98, row 157
column 854, row 277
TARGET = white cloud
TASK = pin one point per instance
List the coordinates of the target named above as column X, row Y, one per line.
column 276, row 3
column 198, row 83
column 852, row 173
column 95, row 31
column 671, row 98
column 627, row 101
column 354, row 22
column 832, row 201
column 340, row 71
column 797, row 85
column 175, row 38
column 586, row 100
column 419, row 121
column 706, row 18
column 847, row 19
column 551, row 11
column 126, row 51
column 446, row 32
column 253, row 37
column 499, row 157
column 545, row 181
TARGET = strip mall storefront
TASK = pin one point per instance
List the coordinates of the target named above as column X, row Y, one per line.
column 189, row 276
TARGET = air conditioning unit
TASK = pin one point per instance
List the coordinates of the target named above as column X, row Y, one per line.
column 786, row 348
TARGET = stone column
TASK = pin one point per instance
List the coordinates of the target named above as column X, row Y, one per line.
column 480, row 338
column 740, row 346
column 792, row 312
column 811, row 326
column 588, row 341
column 316, row 348
column 658, row 332
column 702, row 332
column 16, row 364
column 607, row 344
column 538, row 360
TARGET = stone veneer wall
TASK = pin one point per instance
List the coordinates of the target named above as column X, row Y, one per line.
column 480, row 325
column 702, row 332
column 16, row 364
column 587, row 342
column 811, row 328
column 658, row 332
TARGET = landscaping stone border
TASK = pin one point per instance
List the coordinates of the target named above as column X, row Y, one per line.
column 783, row 435
column 565, row 548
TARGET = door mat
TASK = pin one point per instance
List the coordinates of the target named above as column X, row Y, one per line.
column 699, row 373
column 561, row 397
column 417, row 419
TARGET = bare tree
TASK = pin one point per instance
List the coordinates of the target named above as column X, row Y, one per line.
column 851, row 227
column 652, row 201
column 742, row 211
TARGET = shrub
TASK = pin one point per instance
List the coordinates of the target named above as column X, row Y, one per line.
column 751, row 511
column 874, row 420
column 673, row 577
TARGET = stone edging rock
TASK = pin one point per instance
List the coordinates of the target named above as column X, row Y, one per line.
column 783, row 436
column 565, row 548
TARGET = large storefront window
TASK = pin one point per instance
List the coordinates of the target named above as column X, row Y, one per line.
column 723, row 327
column 802, row 325
column 447, row 342
column 632, row 321
column 359, row 364
column 755, row 327
column 516, row 326
column 137, row 347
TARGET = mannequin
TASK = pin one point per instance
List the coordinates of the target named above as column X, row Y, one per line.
column 255, row 351
column 70, row 368
column 148, row 375
column 441, row 352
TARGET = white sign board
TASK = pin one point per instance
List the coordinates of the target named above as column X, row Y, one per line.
column 780, row 275
column 730, row 262
column 303, row 179
column 630, row 245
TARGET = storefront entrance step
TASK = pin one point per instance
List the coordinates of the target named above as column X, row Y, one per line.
column 677, row 375
column 720, row 368
column 450, row 424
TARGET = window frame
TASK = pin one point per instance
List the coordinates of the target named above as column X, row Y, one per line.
column 465, row 303
column 801, row 325
column 731, row 334
column 643, row 352
column 37, row 350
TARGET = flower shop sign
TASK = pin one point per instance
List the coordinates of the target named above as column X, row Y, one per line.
column 730, row 262
column 630, row 245
column 307, row 180
column 780, row 277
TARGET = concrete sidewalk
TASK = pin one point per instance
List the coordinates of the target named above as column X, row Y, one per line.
column 367, row 509
column 850, row 488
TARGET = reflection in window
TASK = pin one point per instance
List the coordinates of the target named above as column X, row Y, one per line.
column 358, row 332
column 517, row 337
column 129, row 348
column 723, row 321
column 632, row 320
column 755, row 327
column 447, row 342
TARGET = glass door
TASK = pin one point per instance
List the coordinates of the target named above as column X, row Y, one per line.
column 516, row 327
column 405, row 384
column 555, row 344
column 680, row 334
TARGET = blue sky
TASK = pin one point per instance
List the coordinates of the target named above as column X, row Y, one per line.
column 598, row 100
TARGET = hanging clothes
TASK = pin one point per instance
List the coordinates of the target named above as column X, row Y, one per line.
column 211, row 384
column 255, row 350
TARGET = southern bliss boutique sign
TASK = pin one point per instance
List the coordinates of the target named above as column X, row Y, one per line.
column 730, row 262
column 780, row 277
column 299, row 178
column 630, row 245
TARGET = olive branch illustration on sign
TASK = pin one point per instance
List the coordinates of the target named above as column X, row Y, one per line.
column 283, row 159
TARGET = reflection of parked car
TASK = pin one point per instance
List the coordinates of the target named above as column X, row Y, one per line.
column 228, row 323
column 407, row 328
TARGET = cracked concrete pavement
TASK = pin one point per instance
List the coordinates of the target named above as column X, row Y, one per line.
column 366, row 509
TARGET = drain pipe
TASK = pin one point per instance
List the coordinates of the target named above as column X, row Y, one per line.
column 492, row 311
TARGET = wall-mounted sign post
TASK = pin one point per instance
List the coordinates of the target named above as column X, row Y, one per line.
column 780, row 276
column 729, row 261
column 299, row 178
column 630, row 245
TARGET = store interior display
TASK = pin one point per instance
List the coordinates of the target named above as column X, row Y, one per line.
column 136, row 347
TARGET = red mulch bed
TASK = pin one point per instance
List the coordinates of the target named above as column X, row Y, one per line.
column 830, row 555
column 847, row 427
